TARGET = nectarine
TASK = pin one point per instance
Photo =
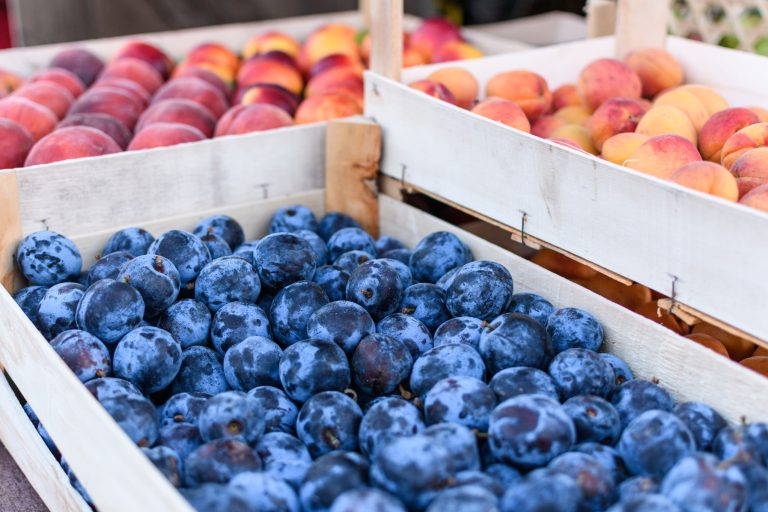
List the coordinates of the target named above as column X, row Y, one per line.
column 529, row 90
column 503, row 111
column 707, row 177
column 71, row 142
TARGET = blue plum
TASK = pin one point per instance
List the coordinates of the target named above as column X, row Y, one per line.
column 425, row 302
column 621, row 369
column 364, row 500
column 408, row 330
column 187, row 253
column 279, row 412
column 317, row 244
column 108, row 266
column 376, row 287
column 235, row 322
column 523, row 380
column 386, row 419
column 84, row 354
column 655, row 441
column 149, row 357
column 333, row 222
column 578, row 371
column 292, row 308
column 293, row 218
column 637, row 486
column 225, row 280
column 402, row 269
column 329, row 421
column 231, row 415
column 606, row 456
column 46, row 258
column 155, row 278
column 703, row 422
column 387, row 243
column 350, row 260
column 109, row 310
column 222, row 226
column 735, row 442
column 111, row 387
column 436, row 254
column 188, row 321
column 343, row 322
column 350, row 239
column 56, row 312
column 539, row 492
column 635, row 397
column 646, row 503
column 282, row 259
column 444, row 361
column 512, row 340
column 333, row 280
column 481, row 289
column 276, row 446
column 135, row 241
column 462, row 329
column 182, row 408
column 216, row 246
column 595, row 419
column 702, row 482
column 380, row 363
column 262, row 492
column 595, row 481
column 464, row 400
column 401, row 255
column 208, row 497
column 135, row 415
column 460, row 442
column 251, row 363
column 219, row 461
column 574, row 328
column 167, row 461
column 330, row 476
column 246, row 251
column 201, row 371
column 466, row 498
column 28, row 299
column 535, row 306
column 504, row 474
column 312, row 366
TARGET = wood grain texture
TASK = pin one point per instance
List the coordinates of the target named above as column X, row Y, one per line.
column 10, row 230
column 685, row 369
column 20, row 438
column 639, row 227
column 387, row 38
column 640, row 24
column 352, row 158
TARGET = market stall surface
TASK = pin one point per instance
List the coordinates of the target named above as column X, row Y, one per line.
column 16, row 495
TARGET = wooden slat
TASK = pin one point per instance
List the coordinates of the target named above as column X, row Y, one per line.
column 649, row 231
column 27, row 448
column 639, row 24
column 351, row 166
column 686, row 369
column 601, row 17
column 387, row 38
column 10, row 230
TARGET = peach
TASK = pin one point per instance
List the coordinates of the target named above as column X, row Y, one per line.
column 328, row 106
column 566, row 95
column 51, row 95
column 338, row 60
column 197, row 90
column 569, row 144
column 342, row 79
column 756, row 198
column 62, row 77
column 563, row 265
column 129, row 86
column 630, row 297
column 760, row 351
column 79, row 61
column 462, row 84
column 149, row 53
column 604, row 79
column 269, row 42
column 103, row 122
column 757, row 364
column 35, row 118
column 71, row 142
column 9, row 82
column 738, row 348
column 619, row 148
column 711, row 99
column 412, row 57
column 111, row 101
column 575, row 114
column 746, row 139
column 504, row 111
column 719, row 128
column 432, row 34
column 761, row 113
column 271, row 95
column 667, row 120
column 751, row 169
column 662, row 155
column 270, row 69
column 545, row 125
column 214, row 53
column 617, row 115
column 15, row 143
column 178, row 111
column 657, row 68
column 651, row 311
column 204, row 74
column 708, row 341
column 136, row 70
column 252, row 118
column 160, row 135
column 328, row 40
column 434, row 89
column 224, row 75
column 529, row 90
column 455, row 50
column 576, row 134
column 707, row 177
column 688, row 103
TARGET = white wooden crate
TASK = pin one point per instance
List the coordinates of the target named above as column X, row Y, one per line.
column 704, row 252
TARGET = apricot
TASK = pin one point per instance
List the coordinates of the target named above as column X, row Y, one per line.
column 738, row 348
column 651, row 311
column 35, row 118
column 129, row 86
column 761, row 113
column 503, row 111
column 708, row 341
column 9, row 81
column 462, row 84
column 62, row 77
column 688, row 103
column 82, row 63
column 455, row 50
column 328, row 106
column 341, row 79
column 751, row 170
column 272, row 95
column 103, row 122
column 15, row 143
column 412, row 57
column 197, row 90
column 204, row 74
column 269, row 42
column 566, row 95
column 335, row 61
column 605, row 79
column 617, row 115
column 711, row 99
column 746, row 139
column 69, row 143
column 328, row 40
column 529, row 90
column 178, row 111
column 434, row 89
column 148, row 53
column 619, row 148
column 213, row 53
column 573, row 115
column 48, row 94
column 756, row 198
column 707, row 177
column 760, row 351
column 667, row 120
column 160, row 135
column 432, row 34
column 569, row 144
column 270, row 69
column 112, row 101
column 662, row 155
column 719, row 128
column 252, row 118
column 657, row 68
column 562, row 265
column 758, row 364
column 138, row 71
column 225, row 75
column 631, row 297
column 545, row 125
column 576, row 134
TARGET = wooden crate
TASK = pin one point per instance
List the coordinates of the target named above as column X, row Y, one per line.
column 106, row 461
column 703, row 252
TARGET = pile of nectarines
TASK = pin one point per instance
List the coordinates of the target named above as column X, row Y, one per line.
column 638, row 113
column 140, row 99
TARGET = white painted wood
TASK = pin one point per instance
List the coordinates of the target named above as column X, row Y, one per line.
column 642, row 228
column 125, row 189
column 25, row 445
column 387, row 38
column 640, row 24
column 686, row 369
column 601, row 18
